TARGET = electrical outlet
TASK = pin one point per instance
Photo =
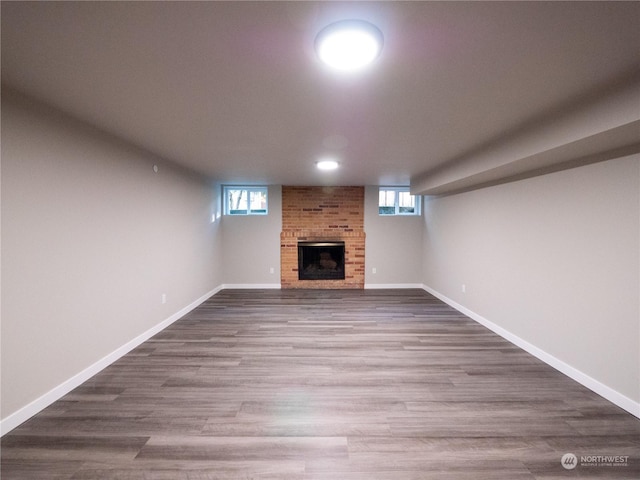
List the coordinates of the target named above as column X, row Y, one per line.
column 464, row 288
column 272, row 270
column 164, row 298
column 374, row 270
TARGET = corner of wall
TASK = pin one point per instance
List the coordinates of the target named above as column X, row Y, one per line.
column 592, row 384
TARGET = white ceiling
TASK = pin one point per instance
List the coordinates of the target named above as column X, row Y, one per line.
column 234, row 90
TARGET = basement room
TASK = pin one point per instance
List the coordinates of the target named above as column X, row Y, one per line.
column 320, row 240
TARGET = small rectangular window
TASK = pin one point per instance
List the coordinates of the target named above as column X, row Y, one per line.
column 245, row 200
column 397, row 201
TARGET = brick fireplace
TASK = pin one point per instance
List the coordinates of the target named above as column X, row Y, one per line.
column 322, row 214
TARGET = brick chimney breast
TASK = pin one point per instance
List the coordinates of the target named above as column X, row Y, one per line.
column 322, row 214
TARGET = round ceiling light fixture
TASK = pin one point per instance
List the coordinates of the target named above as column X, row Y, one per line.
column 327, row 165
column 349, row 45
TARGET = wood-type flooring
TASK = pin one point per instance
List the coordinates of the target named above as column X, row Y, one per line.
column 325, row 384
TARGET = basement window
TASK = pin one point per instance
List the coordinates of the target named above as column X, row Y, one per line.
column 240, row 200
column 397, row 201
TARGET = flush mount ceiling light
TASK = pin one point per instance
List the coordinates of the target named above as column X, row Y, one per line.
column 349, row 45
column 327, row 165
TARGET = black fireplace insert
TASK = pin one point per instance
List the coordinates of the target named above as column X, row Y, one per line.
column 321, row 260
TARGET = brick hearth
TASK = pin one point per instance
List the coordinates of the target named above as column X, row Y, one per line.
column 325, row 214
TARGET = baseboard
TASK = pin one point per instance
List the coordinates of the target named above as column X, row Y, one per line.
column 592, row 384
column 25, row 413
column 250, row 286
column 15, row 419
column 374, row 286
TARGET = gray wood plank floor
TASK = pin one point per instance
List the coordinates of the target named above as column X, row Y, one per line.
column 319, row 384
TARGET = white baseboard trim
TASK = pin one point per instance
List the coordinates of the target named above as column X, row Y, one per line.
column 374, row 286
column 250, row 286
column 25, row 413
column 601, row 389
column 15, row 419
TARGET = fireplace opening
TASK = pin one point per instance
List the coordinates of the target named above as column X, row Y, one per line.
column 320, row 260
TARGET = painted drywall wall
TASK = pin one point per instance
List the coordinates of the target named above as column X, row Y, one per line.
column 251, row 245
column 92, row 238
column 393, row 246
column 554, row 260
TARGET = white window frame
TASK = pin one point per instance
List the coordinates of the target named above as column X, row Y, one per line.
column 247, row 190
column 397, row 207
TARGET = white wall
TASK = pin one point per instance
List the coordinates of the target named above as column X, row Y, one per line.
column 251, row 246
column 554, row 261
column 393, row 246
column 91, row 240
